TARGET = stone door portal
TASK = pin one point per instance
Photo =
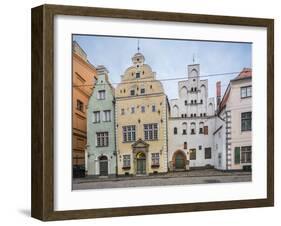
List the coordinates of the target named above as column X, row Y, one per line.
column 141, row 163
column 103, row 166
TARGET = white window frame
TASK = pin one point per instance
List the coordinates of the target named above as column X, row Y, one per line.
column 96, row 117
column 150, row 131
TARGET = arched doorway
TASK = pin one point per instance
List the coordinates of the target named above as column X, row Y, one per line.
column 179, row 160
column 103, row 166
column 141, row 163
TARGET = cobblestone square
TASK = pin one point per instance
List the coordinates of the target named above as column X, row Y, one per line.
column 175, row 178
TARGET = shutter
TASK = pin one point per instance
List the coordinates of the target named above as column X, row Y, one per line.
column 205, row 130
column 237, row 155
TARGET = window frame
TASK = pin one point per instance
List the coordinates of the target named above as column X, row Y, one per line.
column 150, row 131
column 246, row 88
column 245, row 128
column 102, row 139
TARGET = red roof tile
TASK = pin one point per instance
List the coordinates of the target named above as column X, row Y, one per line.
column 245, row 73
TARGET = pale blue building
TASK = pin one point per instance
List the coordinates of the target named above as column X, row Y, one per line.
column 100, row 150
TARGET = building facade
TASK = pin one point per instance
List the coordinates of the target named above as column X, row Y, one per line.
column 233, row 135
column 191, row 124
column 141, row 121
column 100, row 151
column 83, row 77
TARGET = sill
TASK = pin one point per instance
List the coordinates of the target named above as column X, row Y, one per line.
column 246, row 131
column 155, row 166
column 128, row 141
column 126, row 167
column 102, row 146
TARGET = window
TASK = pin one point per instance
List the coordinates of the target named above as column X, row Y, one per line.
column 80, row 105
column 96, row 118
column 185, row 145
column 132, row 92
column 194, row 115
column 175, row 130
column 205, row 130
column 204, row 114
column 107, row 116
column 142, row 109
column 122, row 111
column 129, row 133
column 246, row 154
column 195, row 88
column 246, row 121
column 195, row 101
column 155, row 159
column 200, row 147
column 184, row 128
column 191, row 101
column 142, row 90
column 191, row 115
column 200, row 130
column 185, row 102
column 132, row 110
column 150, row 131
column 102, row 139
column 201, row 101
column 246, row 91
column 191, row 89
column 137, row 75
column 192, row 128
column 192, row 154
column 153, row 108
column 126, row 161
column 237, row 155
column 208, row 153
column 101, row 94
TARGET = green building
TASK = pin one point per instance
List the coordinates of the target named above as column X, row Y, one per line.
column 100, row 151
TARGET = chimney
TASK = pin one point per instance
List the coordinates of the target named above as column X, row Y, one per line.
column 218, row 85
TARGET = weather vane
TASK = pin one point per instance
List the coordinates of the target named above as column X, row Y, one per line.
column 138, row 45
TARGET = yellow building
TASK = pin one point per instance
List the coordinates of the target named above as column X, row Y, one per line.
column 141, row 121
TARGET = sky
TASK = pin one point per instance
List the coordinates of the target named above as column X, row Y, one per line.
column 168, row 58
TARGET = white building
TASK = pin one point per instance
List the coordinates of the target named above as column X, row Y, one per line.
column 233, row 133
column 191, row 124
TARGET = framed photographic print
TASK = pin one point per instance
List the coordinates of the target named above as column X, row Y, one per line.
column 141, row 112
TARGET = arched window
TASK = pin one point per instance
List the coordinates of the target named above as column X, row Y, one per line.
column 210, row 109
column 194, row 73
column 183, row 91
column 201, row 126
column 175, row 111
column 192, row 128
column 175, row 130
column 184, row 128
column 203, row 92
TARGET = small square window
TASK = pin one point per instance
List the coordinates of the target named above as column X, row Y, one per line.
column 132, row 92
column 137, row 75
column 142, row 90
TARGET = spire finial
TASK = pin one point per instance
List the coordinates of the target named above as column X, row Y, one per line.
column 138, row 45
column 193, row 58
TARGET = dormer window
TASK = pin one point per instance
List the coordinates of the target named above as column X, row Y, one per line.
column 137, row 75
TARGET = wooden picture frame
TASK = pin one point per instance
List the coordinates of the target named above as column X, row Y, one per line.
column 43, row 112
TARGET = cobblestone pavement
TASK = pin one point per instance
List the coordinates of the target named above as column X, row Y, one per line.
column 174, row 178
